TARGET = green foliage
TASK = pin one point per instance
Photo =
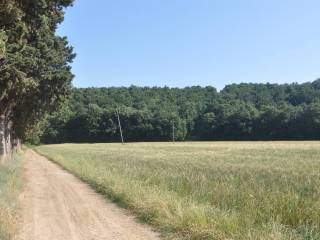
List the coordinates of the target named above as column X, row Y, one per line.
column 34, row 70
column 238, row 112
column 145, row 113
column 3, row 41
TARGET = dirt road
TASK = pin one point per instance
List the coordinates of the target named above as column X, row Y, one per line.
column 58, row 206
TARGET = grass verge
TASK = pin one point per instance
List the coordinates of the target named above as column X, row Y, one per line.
column 10, row 186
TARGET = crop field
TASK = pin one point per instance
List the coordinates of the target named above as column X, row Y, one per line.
column 206, row 190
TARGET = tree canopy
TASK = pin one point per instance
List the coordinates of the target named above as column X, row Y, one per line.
column 238, row 112
column 35, row 72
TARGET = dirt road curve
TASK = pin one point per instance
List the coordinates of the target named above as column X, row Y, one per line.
column 58, row 206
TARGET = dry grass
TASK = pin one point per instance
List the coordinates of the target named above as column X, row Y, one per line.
column 10, row 186
column 207, row 190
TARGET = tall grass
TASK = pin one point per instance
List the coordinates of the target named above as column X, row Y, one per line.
column 219, row 190
column 10, row 186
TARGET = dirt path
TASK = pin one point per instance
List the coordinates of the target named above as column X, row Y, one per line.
column 58, row 206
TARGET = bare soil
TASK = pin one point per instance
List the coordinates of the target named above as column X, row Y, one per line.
column 58, row 206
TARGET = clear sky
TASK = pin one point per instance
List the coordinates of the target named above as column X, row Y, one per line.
column 193, row 42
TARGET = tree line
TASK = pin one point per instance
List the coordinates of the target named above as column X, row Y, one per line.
column 35, row 72
column 238, row 112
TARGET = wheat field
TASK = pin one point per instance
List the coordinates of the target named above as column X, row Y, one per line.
column 206, row 190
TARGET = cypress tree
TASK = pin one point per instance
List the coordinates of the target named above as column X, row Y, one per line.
column 35, row 72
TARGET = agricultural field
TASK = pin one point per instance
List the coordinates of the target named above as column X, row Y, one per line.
column 206, row 190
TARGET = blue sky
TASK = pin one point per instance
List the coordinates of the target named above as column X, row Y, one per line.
column 193, row 42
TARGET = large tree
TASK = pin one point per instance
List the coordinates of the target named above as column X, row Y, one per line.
column 35, row 68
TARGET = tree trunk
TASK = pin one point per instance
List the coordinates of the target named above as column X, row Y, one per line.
column 16, row 144
column 3, row 148
column 5, row 137
column 8, row 138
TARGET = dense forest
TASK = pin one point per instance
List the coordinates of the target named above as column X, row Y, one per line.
column 238, row 112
